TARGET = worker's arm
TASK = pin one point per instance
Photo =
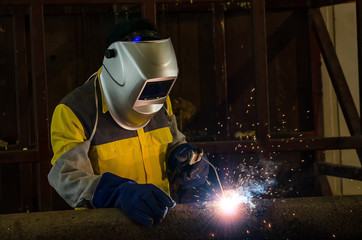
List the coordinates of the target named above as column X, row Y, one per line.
column 178, row 152
column 183, row 166
column 66, row 131
column 72, row 174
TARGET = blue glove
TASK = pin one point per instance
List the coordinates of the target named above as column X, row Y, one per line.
column 182, row 166
column 143, row 203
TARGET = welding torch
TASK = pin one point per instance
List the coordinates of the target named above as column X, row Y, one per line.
column 187, row 161
column 193, row 157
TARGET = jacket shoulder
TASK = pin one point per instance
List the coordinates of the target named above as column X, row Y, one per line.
column 82, row 102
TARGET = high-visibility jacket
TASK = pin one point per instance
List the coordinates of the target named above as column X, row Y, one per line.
column 139, row 155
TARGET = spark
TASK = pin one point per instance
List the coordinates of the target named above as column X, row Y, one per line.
column 233, row 200
column 230, row 203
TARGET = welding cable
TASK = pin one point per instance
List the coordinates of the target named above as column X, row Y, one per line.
column 96, row 101
column 217, row 175
column 95, row 75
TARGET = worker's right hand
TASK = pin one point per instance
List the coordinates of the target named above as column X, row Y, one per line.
column 144, row 203
column 190, row 174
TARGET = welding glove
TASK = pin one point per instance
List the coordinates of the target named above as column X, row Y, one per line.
column 143, row 203
column 190, row 174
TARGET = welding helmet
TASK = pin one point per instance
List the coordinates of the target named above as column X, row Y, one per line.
column 137, row 75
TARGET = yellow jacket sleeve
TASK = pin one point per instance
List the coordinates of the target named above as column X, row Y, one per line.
column 66, row 131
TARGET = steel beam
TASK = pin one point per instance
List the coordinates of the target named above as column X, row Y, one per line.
column 261, row 72
column 36, row 21
column 336, row 74
column 339, row 170
column 149, row 10
column 220, row 71
column 11, row 157
column 281, row 145
column 290, row 218
column 269, row 3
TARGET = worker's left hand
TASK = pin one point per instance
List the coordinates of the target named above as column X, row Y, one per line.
column 144, row 203
column 190, row 174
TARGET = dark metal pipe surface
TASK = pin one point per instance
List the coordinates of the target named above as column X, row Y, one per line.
column 288, row 218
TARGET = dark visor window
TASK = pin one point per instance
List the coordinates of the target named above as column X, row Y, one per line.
column 155, row 90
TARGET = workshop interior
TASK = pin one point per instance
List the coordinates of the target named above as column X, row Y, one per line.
column 269, row 89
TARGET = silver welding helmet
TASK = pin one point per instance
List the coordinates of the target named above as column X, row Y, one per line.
column 136, row 77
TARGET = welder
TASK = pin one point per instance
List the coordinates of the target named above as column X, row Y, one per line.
column 115, row 138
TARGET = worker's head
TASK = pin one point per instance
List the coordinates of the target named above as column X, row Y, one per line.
column 136, row 29
column 139, row 70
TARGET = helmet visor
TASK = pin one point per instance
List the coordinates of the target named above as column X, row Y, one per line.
column 155, row 91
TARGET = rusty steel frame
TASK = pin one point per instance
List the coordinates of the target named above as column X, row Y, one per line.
column 40, row 156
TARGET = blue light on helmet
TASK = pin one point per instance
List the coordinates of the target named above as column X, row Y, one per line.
column 136, row 39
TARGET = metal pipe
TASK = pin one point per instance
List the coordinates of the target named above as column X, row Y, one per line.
column 289, row 218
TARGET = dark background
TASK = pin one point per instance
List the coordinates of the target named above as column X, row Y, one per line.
column 214, row 97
